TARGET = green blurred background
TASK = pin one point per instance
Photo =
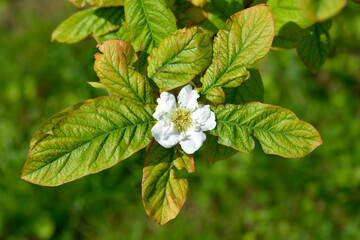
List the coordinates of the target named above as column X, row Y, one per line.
column 248, row 197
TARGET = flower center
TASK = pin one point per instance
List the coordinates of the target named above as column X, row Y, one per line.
column 181, row 117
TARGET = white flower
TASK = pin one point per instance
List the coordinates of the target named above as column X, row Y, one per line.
column 184, row 122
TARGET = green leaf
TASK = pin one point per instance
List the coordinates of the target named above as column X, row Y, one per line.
column 321, row 10
column 46, row 127
column 116, row 73
column 163, row 195
column 289, row 23
column 99, row 3
column 314, row 45
column 95, row 21
column 249, row 91
column 219, row 11
column 248, row 39
column 216, row 152
column 149, row 22
column 278, row 130
column 119, row 34
column 179, row 58
column 101, row 133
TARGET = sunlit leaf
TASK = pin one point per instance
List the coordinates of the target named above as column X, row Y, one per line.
column 314, row 45
column 179, row 58
column 149, row 22
column 95, row 21
column 278, row 130
column 101, row 133
column 289, row 22
column 249, row 91
column 248, row 39
column 163, row 195
column 321, row 10
column 114, row 69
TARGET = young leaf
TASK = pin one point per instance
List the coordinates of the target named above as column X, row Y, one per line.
column 115, row 72
column 163, row 195
column 99, row 3
column 101, row 133
column 216, row 152
column 96, row 21
column 248, row 39
column 149, row 22
column 278, row 130
column 314, row 45
column 289, row 23
column 249, row 91
column 179, row 58
column 321, row 10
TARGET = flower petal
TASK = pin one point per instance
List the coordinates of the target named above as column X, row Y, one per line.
column 166, row 103
column 204, row 118
column 188, row 97
column 192, row 142
column 210, row 123
column 201, row 114
column 165, row 134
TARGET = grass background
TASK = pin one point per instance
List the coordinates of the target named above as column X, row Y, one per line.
column 248, row 197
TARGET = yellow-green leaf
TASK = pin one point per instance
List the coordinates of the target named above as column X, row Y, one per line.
column 289, row 23
column 278, row 130
column 114, row 69
column 179, row 58
column 248, row 39
column 163, row 194
column 321, row 10
column 149, row 22
column 101, row 133
column 314, row 45
column 93, row 21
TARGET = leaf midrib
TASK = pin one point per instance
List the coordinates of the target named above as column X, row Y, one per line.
column 127, row 82
column 174, row 56
column 264, row 130
column 212, row 85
